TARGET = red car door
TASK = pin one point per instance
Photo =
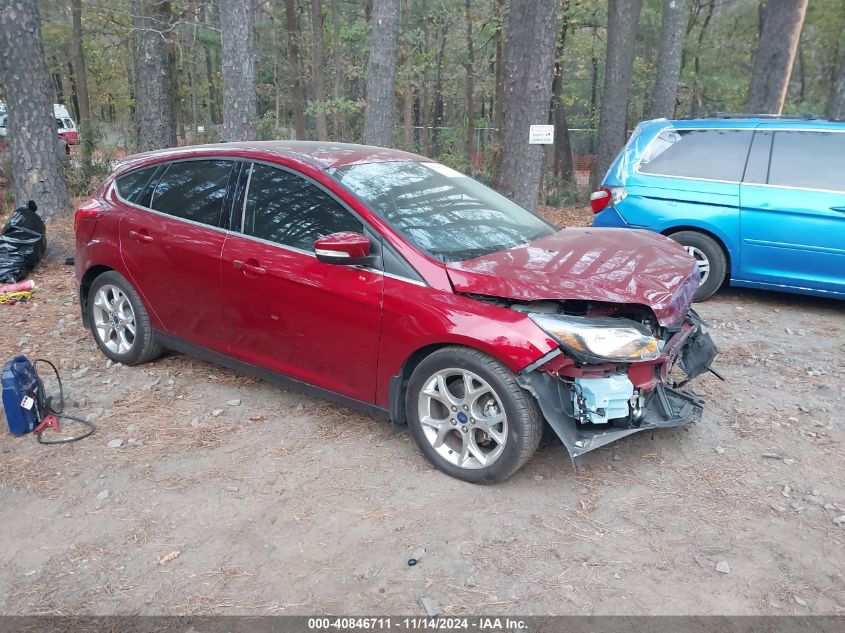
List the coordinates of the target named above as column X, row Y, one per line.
column 172, row 250
column 288, row 312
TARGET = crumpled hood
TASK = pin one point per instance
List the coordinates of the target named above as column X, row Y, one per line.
column 612, row 265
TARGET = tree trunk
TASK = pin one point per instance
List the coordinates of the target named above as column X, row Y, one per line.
column 71, row 76
column 193, row 74
column 408, row 104
column 836, row 103
column 153, row 98
column 528, row 90
column 672, row 32
column 802, row 83
column 780, row 29
column 174, row 57
column 296, row 89
column 337, row 93
column 408, row 96
column 622, row 17
column 438, row 90
column 563, row 164
column 56, row 79
column 425, row 94
column 237, row 22
column 210, row 73
column 81, row 76
column 697, row 92
column 381, row 71
column 470, row 82
column 318, row 58
column 499, row 80
column 594, row 81
column 37, row 172
column 210, row 18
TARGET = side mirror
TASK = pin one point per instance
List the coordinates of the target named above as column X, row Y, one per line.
column 342, row 248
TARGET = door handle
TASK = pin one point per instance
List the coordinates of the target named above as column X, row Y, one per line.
column 141, row 236
column 840, row 209
column 250, row 266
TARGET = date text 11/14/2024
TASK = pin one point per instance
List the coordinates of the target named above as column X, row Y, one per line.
column 388, row 623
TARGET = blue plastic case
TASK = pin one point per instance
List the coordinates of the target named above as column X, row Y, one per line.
column 20, row 380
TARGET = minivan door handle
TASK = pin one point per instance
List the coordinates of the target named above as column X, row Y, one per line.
column 141, row 236
column 840, row 209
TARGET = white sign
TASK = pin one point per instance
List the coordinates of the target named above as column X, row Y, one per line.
column 541, row 135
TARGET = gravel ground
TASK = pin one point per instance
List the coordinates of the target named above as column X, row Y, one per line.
column 227, row 495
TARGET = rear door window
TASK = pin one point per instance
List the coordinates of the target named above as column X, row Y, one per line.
column 194, row 190
column 287, row 209
column 706, row 154
column 808, row 160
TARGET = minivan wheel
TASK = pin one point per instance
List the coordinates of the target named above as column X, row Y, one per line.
column 710, row 258
column 119, row 322
column 469, row 416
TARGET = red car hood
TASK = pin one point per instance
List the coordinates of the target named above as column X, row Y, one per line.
column 613, row 265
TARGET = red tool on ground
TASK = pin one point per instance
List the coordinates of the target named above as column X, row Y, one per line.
column 51, row 421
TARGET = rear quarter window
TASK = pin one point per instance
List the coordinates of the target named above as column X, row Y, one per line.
column 705, row 154
column 130, row 185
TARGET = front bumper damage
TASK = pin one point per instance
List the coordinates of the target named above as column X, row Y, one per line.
column 656, row 402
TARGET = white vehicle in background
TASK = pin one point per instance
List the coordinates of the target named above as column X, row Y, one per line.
column 65, row 124
column 68, row 132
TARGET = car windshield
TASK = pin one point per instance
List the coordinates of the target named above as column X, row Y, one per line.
column 443, row 212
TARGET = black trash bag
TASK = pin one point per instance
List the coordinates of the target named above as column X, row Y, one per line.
column 22, row 243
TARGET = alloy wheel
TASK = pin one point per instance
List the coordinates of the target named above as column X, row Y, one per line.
column 114, row 319
column 462, row 418
column 702, row 261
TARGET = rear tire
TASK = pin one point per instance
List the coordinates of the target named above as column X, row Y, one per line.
column 483, row 428
column 710, row 257
column 119, row 322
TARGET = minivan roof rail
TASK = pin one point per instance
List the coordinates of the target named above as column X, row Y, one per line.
column 732, row 115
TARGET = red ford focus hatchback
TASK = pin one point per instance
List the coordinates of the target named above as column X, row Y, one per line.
column 389, row 282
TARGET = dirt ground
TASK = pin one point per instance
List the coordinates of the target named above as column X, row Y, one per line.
column 232, row 496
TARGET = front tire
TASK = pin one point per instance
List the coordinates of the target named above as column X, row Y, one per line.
column 710, row 258
column 119, row 321
column 469, row 416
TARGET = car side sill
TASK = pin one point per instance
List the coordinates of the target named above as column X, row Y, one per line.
column 764, row 285
column 180, row 345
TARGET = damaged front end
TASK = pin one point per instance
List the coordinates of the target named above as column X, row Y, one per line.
column 610, row 377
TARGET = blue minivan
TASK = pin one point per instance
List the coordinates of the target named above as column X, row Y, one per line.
column 757, row 200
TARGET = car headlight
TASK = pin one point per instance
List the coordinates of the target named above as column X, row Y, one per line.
column 603, row 338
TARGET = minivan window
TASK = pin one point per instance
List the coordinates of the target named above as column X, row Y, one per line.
column 287, row 209
column 812, row 160
column 757, row 169
column 130, row 185
column 705, row 154
column 193, row 190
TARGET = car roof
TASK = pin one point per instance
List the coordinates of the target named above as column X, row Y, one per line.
column 325, row 154
column 750, row 121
